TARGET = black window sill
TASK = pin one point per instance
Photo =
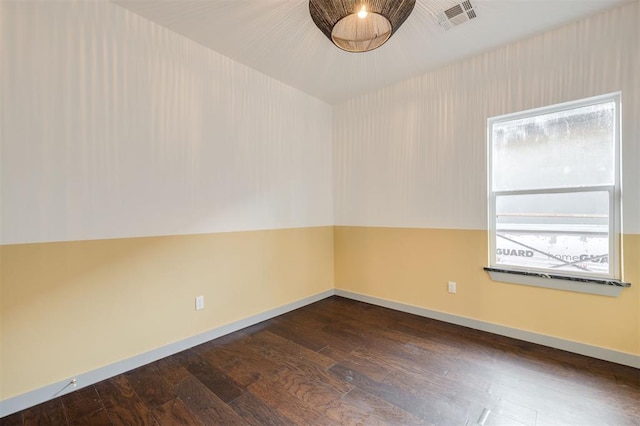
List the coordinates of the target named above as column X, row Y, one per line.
column 599, row 286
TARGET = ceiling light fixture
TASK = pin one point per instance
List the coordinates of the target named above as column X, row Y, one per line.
column 359, row 25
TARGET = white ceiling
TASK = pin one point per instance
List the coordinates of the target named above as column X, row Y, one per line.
column 279, row 39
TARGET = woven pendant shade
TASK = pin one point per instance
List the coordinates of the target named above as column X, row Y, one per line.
column 359, row 25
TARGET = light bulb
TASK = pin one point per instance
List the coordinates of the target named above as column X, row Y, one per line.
column 363, row 12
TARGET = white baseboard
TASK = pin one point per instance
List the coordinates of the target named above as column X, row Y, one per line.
column 38, row 396
column 46, row 393
column 554, row 342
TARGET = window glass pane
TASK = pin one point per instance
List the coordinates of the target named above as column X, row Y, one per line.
column 560, row 149
column 562, row 233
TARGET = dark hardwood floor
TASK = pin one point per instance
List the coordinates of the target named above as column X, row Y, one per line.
column 344, row 362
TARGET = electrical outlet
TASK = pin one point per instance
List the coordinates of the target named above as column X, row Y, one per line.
column 451, row 286
column 199, row 303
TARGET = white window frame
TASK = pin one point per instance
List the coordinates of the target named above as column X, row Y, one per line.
column 589, row 283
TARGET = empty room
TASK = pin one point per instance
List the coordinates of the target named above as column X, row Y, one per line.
column 320, row 212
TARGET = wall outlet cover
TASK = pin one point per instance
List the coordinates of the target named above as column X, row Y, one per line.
column 199, row 303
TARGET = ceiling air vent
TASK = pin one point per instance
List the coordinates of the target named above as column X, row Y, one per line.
column 456, row 15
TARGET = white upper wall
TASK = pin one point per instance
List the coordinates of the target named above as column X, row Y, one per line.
column 112, row 126
column 414, row 154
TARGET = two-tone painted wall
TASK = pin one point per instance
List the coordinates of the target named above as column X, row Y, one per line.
column 139, row 170
column 411, row 181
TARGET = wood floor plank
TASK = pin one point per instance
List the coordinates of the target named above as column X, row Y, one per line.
column 301, row 331
column 573, row 417
column 172, row 369
column 471, row 388
column 48, row 413
column 221, row 356
column 256, row 412
column 174, row 412
column 425, row 329
column 407, row 358
column 399, row 338
column 298, row 411
column 215, row 380
column 340, row 336
column 490, row 418
column 338, row 308
column 205, row 405
column 356, row 360
column 12, row 419
column 242, row 361
column 441, row 402
column 477, row 385
column 624, row 375
column 123, row 405
column 96, row 418
column 313, row 390
column 246, row 371
column 147, row 383
column 276, row 347
column 397, row 396
column 315, row 320
column 364, row 408
column 299, row 335
column 81, row 403
column 303, row 362
column 546, row 394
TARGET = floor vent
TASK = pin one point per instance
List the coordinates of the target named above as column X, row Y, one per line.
column 456, row 15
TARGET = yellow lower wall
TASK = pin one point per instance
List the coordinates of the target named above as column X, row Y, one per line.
column 72, row 307
column 412, row 266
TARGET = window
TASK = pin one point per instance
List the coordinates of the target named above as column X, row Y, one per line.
column 554, row 191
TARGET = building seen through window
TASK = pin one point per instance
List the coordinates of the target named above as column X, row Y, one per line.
column 554, row 204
